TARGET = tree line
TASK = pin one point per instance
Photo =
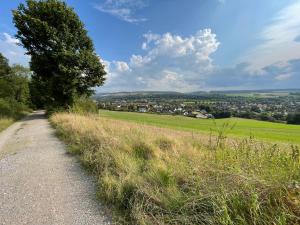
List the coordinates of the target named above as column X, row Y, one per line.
column 14, row 89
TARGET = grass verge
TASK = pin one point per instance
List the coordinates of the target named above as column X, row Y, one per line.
column 161, row 176
column 5, row 122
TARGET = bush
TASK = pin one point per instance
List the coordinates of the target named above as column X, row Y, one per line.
column 293, row 118
column 12, row 109
column 84, row 105
column 222, row 114
column 52, row 110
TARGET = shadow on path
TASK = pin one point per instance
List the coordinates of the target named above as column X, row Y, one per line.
column 36, row 115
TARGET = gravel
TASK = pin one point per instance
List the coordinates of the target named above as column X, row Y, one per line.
column 40, row 183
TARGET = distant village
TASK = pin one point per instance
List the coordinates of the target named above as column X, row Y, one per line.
column 268, row 109
column 148, row 107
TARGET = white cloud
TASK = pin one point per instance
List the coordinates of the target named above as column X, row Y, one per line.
column 144, row 46
column 121, row 66
column 12, row 51
column 176, row 63
column 123, row 9
column 9, row 39
column 170, row 81
column 170, row 62
column 279, row 37
column 139, row 61
column 283, row 76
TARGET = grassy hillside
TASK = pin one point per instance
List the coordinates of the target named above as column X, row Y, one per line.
column 242, row 127
column 156, row 176
column 4, row 123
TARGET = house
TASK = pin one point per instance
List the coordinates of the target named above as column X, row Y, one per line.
column 203, row 111
column 142, row 108
column 200, row 116
column 197, row 115
column 209, row 116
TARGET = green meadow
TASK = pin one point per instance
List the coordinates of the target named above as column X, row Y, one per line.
column 269, row 131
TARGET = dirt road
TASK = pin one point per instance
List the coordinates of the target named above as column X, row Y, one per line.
column 39, row 183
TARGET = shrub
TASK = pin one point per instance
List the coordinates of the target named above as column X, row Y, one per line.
column 84, row 105
column 12, row 109
column 293, row 118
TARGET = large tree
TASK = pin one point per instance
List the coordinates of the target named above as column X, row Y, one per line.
column 63, row 57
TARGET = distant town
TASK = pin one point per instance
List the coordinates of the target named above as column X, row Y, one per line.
column 274, row 106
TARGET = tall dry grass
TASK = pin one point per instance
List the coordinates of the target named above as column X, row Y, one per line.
column 160, row 176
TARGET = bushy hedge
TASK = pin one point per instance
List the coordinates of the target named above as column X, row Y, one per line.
column 293, row 118
column 12, row 109
column 81, row 105
column 84, row 105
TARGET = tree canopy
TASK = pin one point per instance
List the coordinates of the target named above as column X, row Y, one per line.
column 14, row 89
column 63, row 57
column 14, row 81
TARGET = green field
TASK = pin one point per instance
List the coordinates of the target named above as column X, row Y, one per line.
column 242, row 127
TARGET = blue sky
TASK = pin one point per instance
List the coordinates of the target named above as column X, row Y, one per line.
column 190, row 45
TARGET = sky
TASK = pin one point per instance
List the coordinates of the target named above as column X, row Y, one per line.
column 190, row 45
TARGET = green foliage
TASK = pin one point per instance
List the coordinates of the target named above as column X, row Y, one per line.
column 14, row 89
column 84, row 105
column 12, row 109
column 16, row 84
column 37, row 94
column 293, row 118
column 63, row 58
column 4, row 66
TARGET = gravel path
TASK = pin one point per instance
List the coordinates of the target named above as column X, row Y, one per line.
column 39, row 183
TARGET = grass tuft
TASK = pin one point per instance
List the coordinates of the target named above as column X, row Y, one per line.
column 165, row 144
column 5, row 122
column 142, row 150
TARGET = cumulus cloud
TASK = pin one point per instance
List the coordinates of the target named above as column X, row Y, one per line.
column 123, row 9
column 121, row 66
column 178, row 63
column 10, row 49
column 278, row 75
column 172, row 72
column 280, row 39
column 170, row 62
